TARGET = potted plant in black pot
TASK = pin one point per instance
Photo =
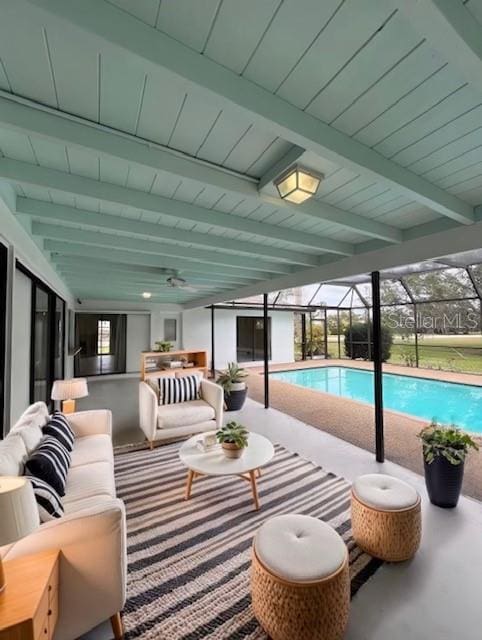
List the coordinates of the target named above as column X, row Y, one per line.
column 233, row 438
column 233, row 382
column 444, row 452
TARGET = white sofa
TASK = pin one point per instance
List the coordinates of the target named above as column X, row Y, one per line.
column 92, row 533
column 170, row 421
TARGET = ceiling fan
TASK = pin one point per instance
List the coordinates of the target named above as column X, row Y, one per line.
column 176, row 282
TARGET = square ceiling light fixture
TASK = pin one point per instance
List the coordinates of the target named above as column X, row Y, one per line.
column 298, row 184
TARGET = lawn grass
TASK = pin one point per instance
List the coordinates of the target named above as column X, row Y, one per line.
column 445, row 353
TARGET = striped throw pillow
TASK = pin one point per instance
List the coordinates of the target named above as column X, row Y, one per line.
column 183, row 389
column 48, row 500
column 59, row 428
column 50, row 462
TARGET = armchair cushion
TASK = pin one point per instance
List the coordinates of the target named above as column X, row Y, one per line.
column 183, row 389
column 184, row 414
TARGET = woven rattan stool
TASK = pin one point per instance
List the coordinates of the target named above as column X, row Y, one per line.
column 300, row 585
column 386, row 517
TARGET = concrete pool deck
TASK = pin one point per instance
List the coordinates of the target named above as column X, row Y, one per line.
column 353, row 421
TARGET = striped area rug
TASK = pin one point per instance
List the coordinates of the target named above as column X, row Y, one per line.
column 188, row 576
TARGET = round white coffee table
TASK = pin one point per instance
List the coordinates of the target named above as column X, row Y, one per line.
column 214, row 463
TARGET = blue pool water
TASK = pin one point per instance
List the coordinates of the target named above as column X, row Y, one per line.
column 447, row 402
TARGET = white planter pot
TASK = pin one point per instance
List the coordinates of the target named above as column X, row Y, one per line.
column 238, row 386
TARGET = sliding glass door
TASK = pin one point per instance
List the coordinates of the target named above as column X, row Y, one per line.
column 47, row 338
column 249, row 338
column 40, row 343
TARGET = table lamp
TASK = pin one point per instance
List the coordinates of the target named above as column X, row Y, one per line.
column 19, row 513
column 68, row 391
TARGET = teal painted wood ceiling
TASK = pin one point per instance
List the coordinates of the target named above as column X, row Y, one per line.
column 359, row 67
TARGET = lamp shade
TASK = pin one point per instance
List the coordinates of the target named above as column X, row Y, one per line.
column 69, row 389
column 18, row 509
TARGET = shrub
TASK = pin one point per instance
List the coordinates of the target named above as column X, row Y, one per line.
column 356, row 344
column 449, row 442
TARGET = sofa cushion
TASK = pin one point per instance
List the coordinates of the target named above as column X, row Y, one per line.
column 58, row 427
column 184, row 414
column 88, row 480
column 48, row 500
column 36, row 414
column 74, row 506
column 13, row 455
column 31, row 435
column 90, row 449
column 50, row 462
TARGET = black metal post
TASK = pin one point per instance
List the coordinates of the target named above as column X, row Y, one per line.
column 213, row 368
column 351, row 335
column 303, row 336
column 369, row 337
column 415, row 311
column 266, row 350
column 311, row 336
column 326, row 335
column 338, row 332
column 377, row 367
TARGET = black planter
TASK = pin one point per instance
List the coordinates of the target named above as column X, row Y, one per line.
column 235, row 399
column 444, row 482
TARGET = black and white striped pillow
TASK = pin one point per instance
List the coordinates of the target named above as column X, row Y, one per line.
column 183, row 389
column 48, row 500
column 50, row 462
column 59, row 427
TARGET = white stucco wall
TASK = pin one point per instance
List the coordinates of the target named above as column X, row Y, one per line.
column 196, row 329
column 21, row 246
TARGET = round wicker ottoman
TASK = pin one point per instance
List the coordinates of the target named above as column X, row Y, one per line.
column 386, row 517
column 300, row 585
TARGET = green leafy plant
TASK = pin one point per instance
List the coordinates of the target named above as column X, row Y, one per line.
column 358, row 337
column 163, row 346
column 232, row 375
column 233, row 433
column 446, row 441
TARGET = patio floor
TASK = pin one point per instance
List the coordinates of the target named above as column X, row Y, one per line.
column 436, row 595
column 354, row 421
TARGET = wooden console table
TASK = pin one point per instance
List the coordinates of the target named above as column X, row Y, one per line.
column 199, row 358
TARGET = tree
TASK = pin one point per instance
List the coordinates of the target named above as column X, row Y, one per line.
column 356, row 341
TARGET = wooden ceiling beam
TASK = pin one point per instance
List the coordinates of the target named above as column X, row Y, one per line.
column 104, row 239
column 40, row 209
column 158, row 50
column 28, row 117
column 26, row 173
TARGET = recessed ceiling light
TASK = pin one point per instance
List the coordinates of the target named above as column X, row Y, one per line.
column 146, row 294
column 298, row 184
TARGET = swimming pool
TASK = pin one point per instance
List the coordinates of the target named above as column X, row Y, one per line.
column 447, row 402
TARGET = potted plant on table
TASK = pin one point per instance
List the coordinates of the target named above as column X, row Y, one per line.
column 233, row 438
column 163, row 346
column 444, row 452
column 233, row 382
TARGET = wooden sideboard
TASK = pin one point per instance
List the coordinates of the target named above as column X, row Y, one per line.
column 151, row 363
